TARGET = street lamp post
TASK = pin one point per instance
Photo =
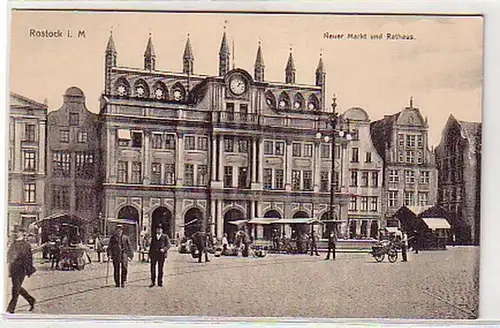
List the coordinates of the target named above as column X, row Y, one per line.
column 332, row 122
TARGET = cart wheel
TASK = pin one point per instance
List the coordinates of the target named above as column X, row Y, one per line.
column 392, row 256
column 379, row 257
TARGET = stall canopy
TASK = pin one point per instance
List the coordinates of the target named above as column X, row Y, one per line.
column 437, row 223
column 122, row 221
column 62, row 217
column 124, row 134
column 238, row 222
column 189, row 223
column 297, row 221
column 263, row 220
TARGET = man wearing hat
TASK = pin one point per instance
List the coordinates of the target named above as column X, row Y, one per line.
column 121, row 252
column 20, row 259
column 160, row 243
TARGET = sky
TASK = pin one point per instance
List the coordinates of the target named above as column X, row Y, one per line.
column 441, row 68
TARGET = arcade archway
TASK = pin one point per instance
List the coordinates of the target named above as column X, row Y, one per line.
column 299, row 228
column 192, row 221
column 129, row 214
column 162, row 216
column 231, row 229
column 268, row 228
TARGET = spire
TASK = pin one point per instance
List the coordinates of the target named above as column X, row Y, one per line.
column 188, row 58
column 110, row 48
column 290, row 69
column 224, row 55
column 259, row 65
column 320, row 72
column 411, row 102
column 149, row 55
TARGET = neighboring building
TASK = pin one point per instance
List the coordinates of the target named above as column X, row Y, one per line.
column 410, row 174
column 364, row 178
column 72, row 187
column 179, row 147
column 458, row 157
column 27, row 128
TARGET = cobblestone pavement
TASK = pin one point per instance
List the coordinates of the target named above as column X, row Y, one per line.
column 433, row 284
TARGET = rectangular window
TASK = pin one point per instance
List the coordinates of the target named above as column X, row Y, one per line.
column 61, row 163
column 29, row 192
column 393, row 199
column 401, row 140
column 29, row 160
column 409, row 176
column 423, row 198
column 82, row 137
column 409, row 200
column 337, row 151
column 268, row 147
column 324, row 183
column 295, row 180
column 156, row 173
column 122, row 172
column 136, row 139
column 170, row 141
column 308, row 150
column 228, row 176
column 420, row 158
column 425, row 177
column 243, row 146
column 156, row 142
column 136, row 172
column 243, row 112
column 60, row 197
column 278, row 179
column 170, row 174
column 228, row 144
column 189, row 143
column 368, row 157
column 364, row 179
column 73, row 119
column 410, row 140
column 354, row 178
column 410, row 156
column 242, row 177
column 307, row 180
column 280, row 148
column 189, row 175
column 375, row 179
column 355, row 155
column 29, row 132
column 355, row 134
column 420, row 141
column 373, row 204
column 268, row 178
column 296, row 149
column 401, row 156
column 364, row 204
column 64, row 136
column 84, row 165
column 202, row 143
column 336, row 181
column 325, row 151
column 393, row 176
column 353, row 204
column 230, row 111
column 202, row 175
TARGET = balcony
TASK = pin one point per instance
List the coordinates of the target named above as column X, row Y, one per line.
column 237, row 118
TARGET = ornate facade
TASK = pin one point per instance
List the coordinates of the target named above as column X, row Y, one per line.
column 458, row 158
column 27, row 133
column 179, row 147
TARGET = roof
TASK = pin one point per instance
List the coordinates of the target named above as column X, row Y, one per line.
column 74, row 92
column 16, row 100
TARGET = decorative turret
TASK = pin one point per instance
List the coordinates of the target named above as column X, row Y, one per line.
column 224, row 56
column 149, row 56
column 320, row 72
column 188, row 58
column 109, row 63
column 290, row 69
column 259, row 65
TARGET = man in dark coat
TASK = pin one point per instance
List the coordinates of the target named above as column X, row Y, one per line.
column 332, row 242
column 314, row 246
column 121, row 251
column 160, row 243
column 200, row 240
column 20, row 259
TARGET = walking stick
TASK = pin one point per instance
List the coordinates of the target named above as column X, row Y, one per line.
column 107, row 268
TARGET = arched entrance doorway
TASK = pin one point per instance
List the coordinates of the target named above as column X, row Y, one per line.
column 130, row 214
column 299, row 228
column 374, row 229
column 268, row 228
column 192, row 221
column 163, row 216
column 231, row 229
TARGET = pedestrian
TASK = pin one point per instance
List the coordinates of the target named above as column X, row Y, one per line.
column 160, row 243
column 314, row 246
column 20, row 259
column 121, row 252
column 200, row 240
column 332, row 241
column 99, row 247
column 225, row 244
column 404, row 247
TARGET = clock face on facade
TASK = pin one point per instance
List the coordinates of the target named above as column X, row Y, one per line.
column 237, row 85
column 178, row 95
column 159, row 93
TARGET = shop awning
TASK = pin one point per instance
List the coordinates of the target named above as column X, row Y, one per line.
column 391, row 229
column 124, row 134
column 238, row 222
column 121, row 221
column 297, row 221
column 437, row 223
column 263, row 220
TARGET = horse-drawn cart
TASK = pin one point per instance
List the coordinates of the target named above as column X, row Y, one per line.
column 72, row 257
